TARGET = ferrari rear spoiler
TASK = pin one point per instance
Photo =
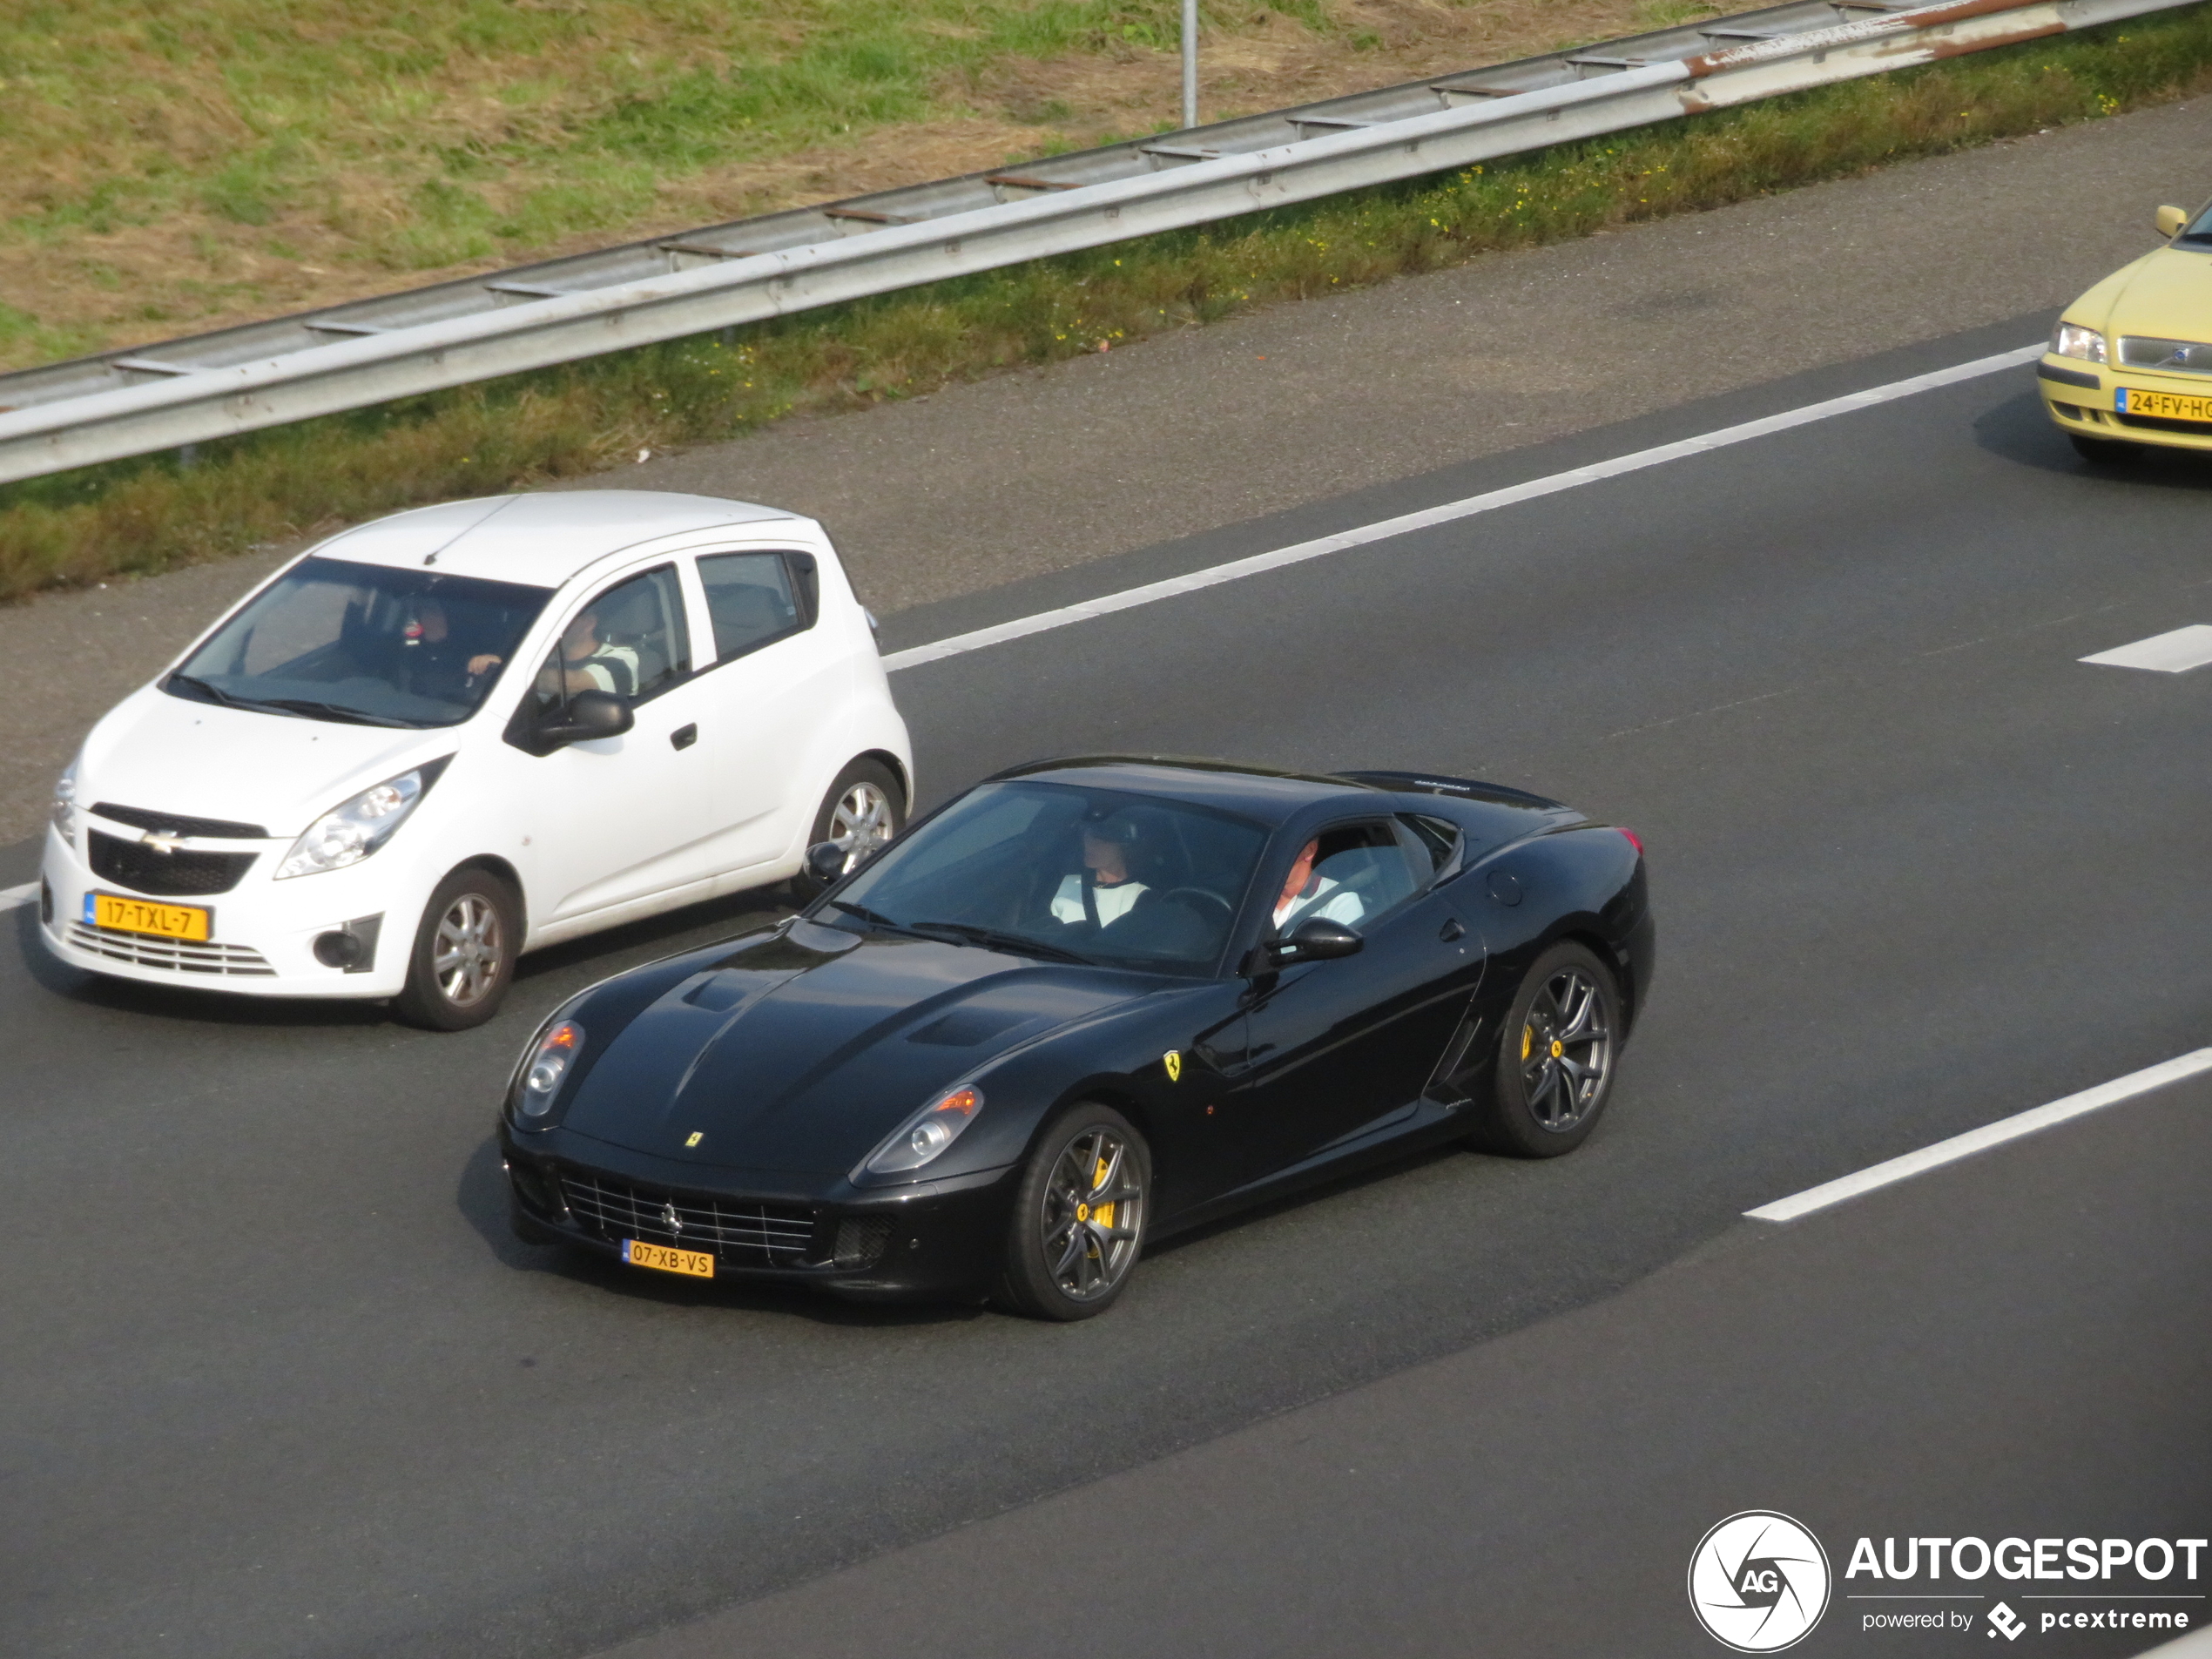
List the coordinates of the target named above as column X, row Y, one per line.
column 1425, row 783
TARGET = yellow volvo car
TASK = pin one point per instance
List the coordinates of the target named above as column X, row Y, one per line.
column 2130, row 362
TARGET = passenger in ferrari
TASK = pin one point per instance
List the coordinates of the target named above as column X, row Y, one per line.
column 1310, row 891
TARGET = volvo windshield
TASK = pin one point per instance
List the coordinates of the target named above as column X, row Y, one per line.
column 365, row 644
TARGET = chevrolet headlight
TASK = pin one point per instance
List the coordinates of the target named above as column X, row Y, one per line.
column 928, row 1133
column 351, row 832
column 2072, row 339
column 66, row 803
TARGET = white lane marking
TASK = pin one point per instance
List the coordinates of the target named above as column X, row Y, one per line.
column 1405, row 524
column 2173, row 653
column 11, row 897
column 1980, row 1140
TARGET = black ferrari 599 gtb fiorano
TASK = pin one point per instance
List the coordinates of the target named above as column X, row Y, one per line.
column 1083, row 1004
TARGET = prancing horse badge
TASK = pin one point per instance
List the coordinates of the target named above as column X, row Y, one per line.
column 1173, row 1061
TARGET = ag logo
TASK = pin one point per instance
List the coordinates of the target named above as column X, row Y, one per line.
column 1758, row 1582
column 1173, row 1061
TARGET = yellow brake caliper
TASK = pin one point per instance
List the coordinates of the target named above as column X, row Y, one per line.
column 1103, row 1214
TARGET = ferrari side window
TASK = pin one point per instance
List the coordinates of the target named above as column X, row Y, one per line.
column 1356, row 874
column 1429, row 842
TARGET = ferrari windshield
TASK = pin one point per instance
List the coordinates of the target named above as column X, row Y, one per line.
column 1065, row 873
column 364, row 643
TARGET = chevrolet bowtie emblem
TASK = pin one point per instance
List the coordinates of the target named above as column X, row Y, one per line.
column 162, row 842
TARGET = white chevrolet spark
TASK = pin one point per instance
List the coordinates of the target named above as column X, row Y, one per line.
column 450, row 736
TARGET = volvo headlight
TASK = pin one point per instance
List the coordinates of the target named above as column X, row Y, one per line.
column 539, row 1079
column 928, row 1133
column 66, row 803
column 349, row 833
column 2072, row 339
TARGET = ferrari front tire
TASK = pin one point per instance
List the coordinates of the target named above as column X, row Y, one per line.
column 1079, row 1214
column 1555, row 1056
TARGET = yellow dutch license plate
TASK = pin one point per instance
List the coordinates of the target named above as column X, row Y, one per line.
column 698, row 1263
column 143, row 916
column 2165, row 406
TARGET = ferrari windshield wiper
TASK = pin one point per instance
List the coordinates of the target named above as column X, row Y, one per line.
column 336, row 712
column 994, row 939
column 875, row 920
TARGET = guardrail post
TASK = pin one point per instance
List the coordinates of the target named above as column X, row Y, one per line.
column 1189, row 63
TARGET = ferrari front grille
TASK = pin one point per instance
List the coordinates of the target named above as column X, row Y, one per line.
column 739, row 1231
column 178, row 955
column 175, row 873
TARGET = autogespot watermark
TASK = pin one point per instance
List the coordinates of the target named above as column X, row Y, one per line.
column 1760, row 1580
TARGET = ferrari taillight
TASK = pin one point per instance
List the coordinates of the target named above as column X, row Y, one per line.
column 1634, row 839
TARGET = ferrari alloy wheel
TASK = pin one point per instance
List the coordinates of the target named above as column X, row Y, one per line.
column 1556, row 1056
column 863, row 809
column 1079, row 1216
column 464, row 953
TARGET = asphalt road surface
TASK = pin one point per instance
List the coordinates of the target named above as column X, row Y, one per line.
column 277, row 1382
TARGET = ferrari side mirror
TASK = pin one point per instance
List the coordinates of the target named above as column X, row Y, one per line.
column 826, row 862
column 1317, row 939
column 2170, row 220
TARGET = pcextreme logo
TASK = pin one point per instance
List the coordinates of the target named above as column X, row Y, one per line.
column 1758, row 1581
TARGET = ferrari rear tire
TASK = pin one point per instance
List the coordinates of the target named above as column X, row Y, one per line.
column 462, row 959
column 1079, row 1215
column 1556, row 1056
column 2104, row 452
column 863, row 809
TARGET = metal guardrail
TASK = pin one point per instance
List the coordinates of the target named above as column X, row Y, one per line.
column 145, row 398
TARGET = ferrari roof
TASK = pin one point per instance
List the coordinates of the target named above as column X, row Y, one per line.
column 1261, row 793
column 541, row 539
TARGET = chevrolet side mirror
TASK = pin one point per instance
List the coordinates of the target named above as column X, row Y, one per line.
column 590, row 715
column 2171, row 221
column 826, row 862
column 1317, row 939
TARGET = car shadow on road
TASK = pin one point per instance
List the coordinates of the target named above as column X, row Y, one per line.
column 480, row 1196
column 2018, row 431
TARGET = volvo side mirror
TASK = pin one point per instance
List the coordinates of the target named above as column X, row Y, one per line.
column 590, row 715
column 1317, row 939
column 826, row 862
column 2170, row 221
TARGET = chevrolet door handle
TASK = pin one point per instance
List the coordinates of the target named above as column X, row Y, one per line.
column 1452, row 929
column 684, row 736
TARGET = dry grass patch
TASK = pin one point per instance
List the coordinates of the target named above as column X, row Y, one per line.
column 166, row 170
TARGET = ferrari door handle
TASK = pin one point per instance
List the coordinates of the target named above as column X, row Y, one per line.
column 1452, row 929
column 684, row 736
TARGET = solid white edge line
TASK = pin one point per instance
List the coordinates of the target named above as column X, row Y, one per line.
column 1405, row 524
column 1980, row 1140
column 11, row 897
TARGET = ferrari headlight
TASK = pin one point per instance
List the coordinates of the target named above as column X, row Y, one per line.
column 66, row 803
column 350, row 832
column 928, row 1133
column 2072, row 339
column 548, row 1061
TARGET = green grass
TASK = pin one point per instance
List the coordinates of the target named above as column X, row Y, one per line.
column 150, row 514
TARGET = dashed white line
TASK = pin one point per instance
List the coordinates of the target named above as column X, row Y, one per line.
column 1980, row 1140
column 1405, row 524
column 2173, row 653
column 11, row 897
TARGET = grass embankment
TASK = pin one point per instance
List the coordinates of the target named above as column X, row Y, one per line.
column 167, row 169
column 148, row 514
